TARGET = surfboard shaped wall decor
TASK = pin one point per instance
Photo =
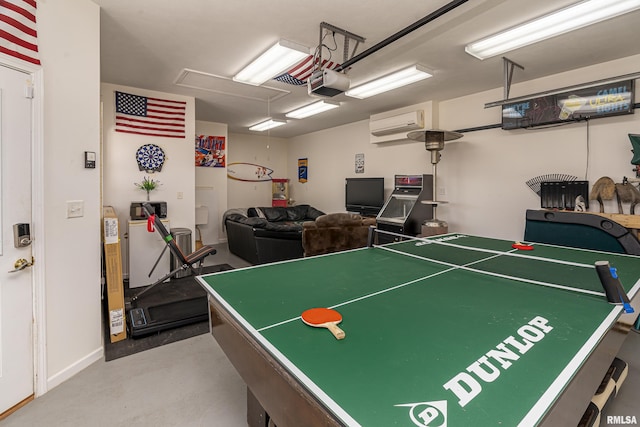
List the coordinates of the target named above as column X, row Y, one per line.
column 248, row 172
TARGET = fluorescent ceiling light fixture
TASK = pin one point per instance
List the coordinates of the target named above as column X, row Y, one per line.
column 268, row 124
column 562, row 21
column 280, row 57
column 391, row 81
column 312, row 109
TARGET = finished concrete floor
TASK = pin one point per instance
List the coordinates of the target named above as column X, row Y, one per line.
column 188, row 383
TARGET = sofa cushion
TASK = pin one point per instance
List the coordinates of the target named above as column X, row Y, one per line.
column 290, row 213
column 283, row 226
column 278, row 234
column 252, row 221
column 297, row 213
column 272, row 214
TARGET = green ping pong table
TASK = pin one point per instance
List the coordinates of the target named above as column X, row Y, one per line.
column 453, row 330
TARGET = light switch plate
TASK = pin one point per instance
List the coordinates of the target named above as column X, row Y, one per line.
column 75, row 208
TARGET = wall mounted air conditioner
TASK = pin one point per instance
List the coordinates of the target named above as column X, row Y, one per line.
column 397, row 124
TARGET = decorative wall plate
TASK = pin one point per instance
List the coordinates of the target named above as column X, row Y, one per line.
column 150, row 158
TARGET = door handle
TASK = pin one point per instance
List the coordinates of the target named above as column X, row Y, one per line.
column 21, row 264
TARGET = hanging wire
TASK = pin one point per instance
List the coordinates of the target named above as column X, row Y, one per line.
column 586, row 169
column 317, row 55
column 269, row 115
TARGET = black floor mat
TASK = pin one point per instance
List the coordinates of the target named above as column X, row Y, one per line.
column 176, row 292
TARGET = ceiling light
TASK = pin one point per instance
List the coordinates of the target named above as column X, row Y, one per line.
column 268, row 124
column 391, row 81
column 312, row 109
column 273, row 62
column 562, row 21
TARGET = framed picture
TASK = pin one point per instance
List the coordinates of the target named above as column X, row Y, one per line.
column 210, row 151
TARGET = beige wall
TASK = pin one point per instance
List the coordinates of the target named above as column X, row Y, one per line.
column 69, row 46
column 485, row 172
column 260, row 150
column 177, row 177
column 483, row 175
column 211, row 187
column 331, row 157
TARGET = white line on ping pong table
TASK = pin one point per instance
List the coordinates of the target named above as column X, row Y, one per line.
column 452, row 268
column 382, row 291
column 505, row 276
column 489, row 251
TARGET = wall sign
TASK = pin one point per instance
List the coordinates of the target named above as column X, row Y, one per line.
column 303, row 165
column 594, row 102
column 360, row 163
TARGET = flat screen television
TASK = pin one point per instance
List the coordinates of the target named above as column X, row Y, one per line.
column 364, row 196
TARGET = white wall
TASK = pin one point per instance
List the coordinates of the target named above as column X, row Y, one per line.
column 483, row 174
column 211, row 187
column 260, row 150
column 69, row 46
column 331, row 155
column 177, row 177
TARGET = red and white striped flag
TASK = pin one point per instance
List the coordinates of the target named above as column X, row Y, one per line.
column 150, row 116
column 299, row 74
column 18, row 35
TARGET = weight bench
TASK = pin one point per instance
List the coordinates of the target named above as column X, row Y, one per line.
column 145, row 320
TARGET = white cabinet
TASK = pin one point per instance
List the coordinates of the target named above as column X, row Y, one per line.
column 144, row 250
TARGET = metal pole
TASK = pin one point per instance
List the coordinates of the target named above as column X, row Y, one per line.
column 432, row 16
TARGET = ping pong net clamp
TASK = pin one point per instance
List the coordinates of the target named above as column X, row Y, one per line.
column 186, row 262
column 612, row 287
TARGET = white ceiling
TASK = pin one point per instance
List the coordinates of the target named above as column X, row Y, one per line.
column 149, row 43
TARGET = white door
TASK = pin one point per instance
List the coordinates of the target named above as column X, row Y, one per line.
column 16, row 301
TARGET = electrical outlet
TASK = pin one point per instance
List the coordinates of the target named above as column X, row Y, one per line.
column 180, row 195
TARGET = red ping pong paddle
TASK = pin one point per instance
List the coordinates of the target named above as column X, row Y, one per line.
column 324, row 318
column 522, row 246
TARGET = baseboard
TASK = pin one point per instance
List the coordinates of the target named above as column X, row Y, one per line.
column 73, row 369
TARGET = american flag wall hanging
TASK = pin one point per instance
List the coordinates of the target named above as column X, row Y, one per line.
column 18, row 35
column 300, row 73
column 149, row 116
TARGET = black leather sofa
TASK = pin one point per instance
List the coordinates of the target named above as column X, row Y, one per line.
column 268, row 234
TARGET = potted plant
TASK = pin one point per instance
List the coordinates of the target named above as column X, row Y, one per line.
column 148, row 185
